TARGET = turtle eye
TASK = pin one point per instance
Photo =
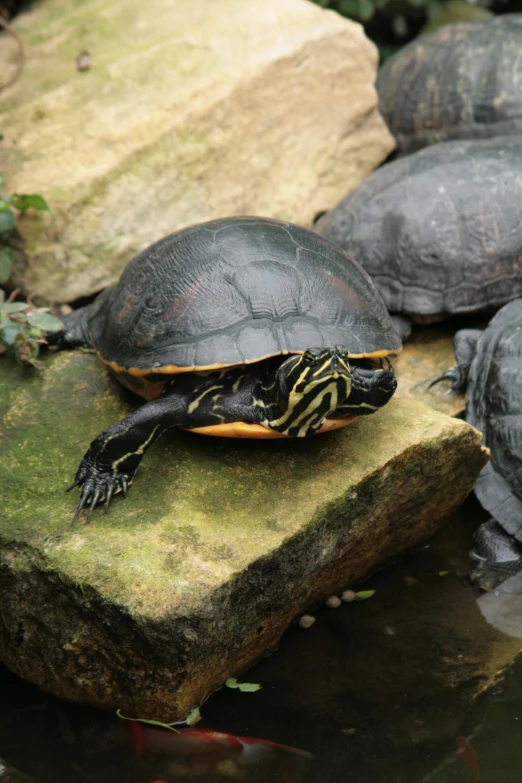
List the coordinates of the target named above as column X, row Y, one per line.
column 309, row 357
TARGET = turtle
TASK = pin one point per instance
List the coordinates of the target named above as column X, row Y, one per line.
column 463, row 81
column 438, row 231
column 489, row 369
column 241, row 327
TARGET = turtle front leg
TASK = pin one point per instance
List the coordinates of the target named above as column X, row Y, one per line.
column 191, row 400
column 464, row 346
column 113, row 457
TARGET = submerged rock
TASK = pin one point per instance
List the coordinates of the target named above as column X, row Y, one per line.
column 217, row 548
column 188, row 111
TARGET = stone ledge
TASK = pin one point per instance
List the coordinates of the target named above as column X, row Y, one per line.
column 217, row 548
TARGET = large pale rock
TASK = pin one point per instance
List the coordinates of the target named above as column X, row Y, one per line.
column 218, row 547
column 191, row 110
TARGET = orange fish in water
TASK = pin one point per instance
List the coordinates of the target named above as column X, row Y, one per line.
column 186, row 742
column 468, row 755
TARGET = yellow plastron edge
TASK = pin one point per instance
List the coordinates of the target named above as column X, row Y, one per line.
column 239, row 429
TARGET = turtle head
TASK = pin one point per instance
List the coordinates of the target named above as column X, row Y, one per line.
column 310, row 386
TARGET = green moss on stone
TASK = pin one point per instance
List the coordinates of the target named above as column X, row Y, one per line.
column 214, row 505
column 214, row 538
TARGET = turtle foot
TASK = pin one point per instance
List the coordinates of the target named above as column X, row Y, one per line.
column 457, row 377
column 497, row 553
column 97, row 485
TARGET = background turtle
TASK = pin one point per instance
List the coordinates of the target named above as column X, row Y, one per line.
column 438, row 231
column 239, row 326
column 462, row 82
column 489, row 367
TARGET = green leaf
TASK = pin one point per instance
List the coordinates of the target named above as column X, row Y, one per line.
column 443, row 573
column 7, row 258
column 249, row 687
column 7, row 222
column 193, row 717
column 150, row 722
column 363, row 595
column 13, row 307
column 366, row 10
column 44, row 321
column 5, row 202
column 23, row 201
column 349, row 8
column 400, row 26
column 246, row 687
column 8, row 332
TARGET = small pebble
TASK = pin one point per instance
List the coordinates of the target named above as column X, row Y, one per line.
column 348, row 596
column 306, row 621
column 333, row 602
column 83, row 61
column 389, row 630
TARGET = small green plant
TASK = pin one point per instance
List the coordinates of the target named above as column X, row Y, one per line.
column 22, row 329
column 22, row 326
column 21, row 202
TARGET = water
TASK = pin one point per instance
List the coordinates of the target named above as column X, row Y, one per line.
column 378, row 691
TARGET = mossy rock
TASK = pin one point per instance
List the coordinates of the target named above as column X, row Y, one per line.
column 217, row 548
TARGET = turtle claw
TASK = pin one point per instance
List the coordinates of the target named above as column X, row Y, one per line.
column 76, row 483
column 98, row 486
column 108, row 497
column 456, row 376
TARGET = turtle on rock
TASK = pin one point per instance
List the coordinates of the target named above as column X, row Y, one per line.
column 439, row 231
column 242, row 326
column 489, row 368
column 463, row 81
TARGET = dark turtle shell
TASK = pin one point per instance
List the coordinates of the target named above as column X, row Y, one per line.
column 463, row 81
column 234, row 291
column 494, row 406
column 438, row 231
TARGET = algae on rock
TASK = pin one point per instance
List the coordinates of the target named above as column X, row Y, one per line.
column 217, row 548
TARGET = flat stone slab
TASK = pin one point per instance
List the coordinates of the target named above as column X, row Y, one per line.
column 190, row 111
column 217, row 548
